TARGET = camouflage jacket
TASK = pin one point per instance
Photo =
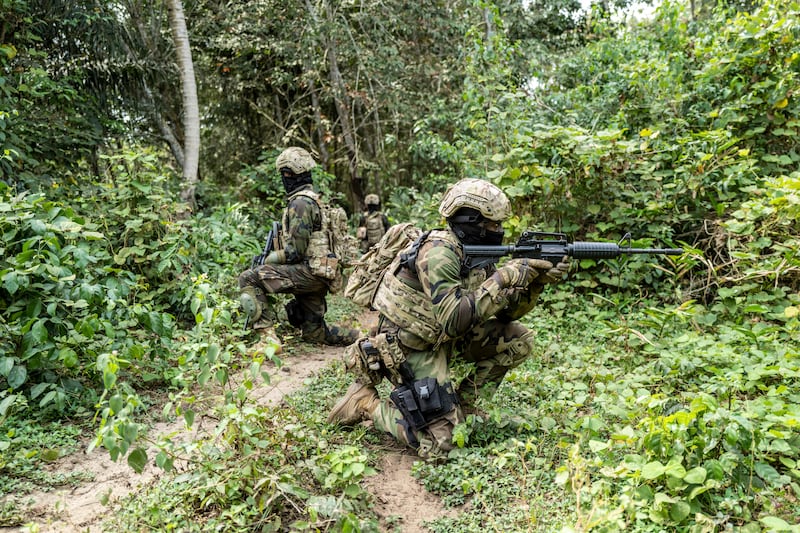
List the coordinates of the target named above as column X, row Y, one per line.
column 441, row 293
column 300, row 219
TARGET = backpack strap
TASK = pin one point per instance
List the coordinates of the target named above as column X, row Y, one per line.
column 409, row 258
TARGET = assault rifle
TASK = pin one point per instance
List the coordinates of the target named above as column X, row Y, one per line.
column 258, row 260
column 553, row 247
column 269, row 246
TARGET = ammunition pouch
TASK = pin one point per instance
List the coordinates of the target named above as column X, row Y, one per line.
column 373, row 358
column 326, row 266
column 424, row 401
column 294, row 313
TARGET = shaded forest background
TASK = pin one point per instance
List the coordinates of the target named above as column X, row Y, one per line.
column 680, row 127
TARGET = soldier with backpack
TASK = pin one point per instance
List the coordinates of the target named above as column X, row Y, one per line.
column 432, row 310
column 304, row 263
column 372, row 224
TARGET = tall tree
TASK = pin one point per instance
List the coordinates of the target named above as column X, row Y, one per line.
column 191, row 110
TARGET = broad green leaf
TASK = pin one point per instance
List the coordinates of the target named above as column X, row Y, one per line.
column 164, row 461
column 597, row 446
column 678, row 511
column 773, row 523
column 188, row 416
column 137, row 460
column 770, row 475
column 109, row 379
column 115, row 403
column 205, row 373
column 695, row 476
column 213, row 352
column 10, row 282
column 6, row 364
column 17, row 376
column 6, row 403
column 38, row 389
column 653, row 470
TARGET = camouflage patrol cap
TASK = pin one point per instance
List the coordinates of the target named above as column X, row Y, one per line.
column 372, row 199
column 295, row 159
column 478, row 194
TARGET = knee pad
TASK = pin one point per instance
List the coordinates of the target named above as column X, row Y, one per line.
column 250, row 302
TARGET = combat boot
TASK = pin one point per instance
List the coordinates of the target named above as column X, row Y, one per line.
column 358, row 403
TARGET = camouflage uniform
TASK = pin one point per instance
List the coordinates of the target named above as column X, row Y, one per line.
column 372, row 224
column 290, row 273
column 468, row 324
column 432, row 310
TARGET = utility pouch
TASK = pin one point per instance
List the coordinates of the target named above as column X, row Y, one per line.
column 403, row 399
column 325, row 267
column 425, row 401
column 374, row 358
column 427, row 392
column 363, row 359
column 391, row 355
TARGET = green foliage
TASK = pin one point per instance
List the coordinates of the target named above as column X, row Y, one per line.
column 25, row 447
column 52, row 121
column 677, row 413
column 266, row 467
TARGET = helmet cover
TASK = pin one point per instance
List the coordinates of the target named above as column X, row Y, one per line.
column 484, row 196
column 296, row 159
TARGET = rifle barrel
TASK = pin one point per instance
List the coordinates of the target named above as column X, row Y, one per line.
column 605, row 250
column 664, row 251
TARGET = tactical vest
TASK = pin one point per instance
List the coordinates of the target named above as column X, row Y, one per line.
column 374, row 225
column 409, row 307
column 321, row 252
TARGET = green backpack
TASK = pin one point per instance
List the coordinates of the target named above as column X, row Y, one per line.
column 369, row 270
column 331, row 248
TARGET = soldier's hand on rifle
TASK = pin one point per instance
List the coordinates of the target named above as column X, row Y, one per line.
column 520, row 272
column 555, row 274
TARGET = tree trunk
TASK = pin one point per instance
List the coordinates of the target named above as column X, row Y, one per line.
column 342, row 102
column 321, row 130
column 191, row 111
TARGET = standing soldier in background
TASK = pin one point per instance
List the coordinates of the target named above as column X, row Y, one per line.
column 286, row 269
column 372, row 224
column 434, row 310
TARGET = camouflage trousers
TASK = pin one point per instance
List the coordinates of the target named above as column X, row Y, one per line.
column 307, row 310
column 493, row 348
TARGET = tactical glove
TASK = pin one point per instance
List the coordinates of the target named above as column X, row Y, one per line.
column 555, row 274
column 520, row 272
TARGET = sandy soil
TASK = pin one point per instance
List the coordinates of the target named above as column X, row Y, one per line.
column 400, row 500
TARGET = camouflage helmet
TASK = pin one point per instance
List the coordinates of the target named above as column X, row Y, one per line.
column 295, row 159
column 478, row 194
column 372, row 199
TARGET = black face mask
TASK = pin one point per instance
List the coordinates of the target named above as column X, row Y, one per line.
column 471, row 233
column 292, row 182
column 371, row 208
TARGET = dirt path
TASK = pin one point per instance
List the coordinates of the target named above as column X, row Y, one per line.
column 400, row 500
